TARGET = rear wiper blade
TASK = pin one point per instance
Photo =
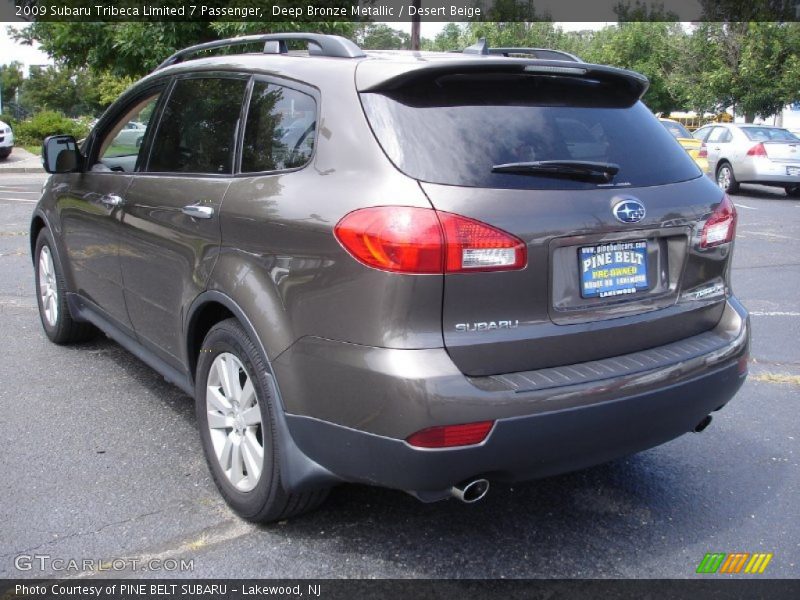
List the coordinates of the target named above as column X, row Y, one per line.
column 572, row 169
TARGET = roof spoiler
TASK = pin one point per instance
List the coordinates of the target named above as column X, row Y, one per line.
column 275, row 43
column 385, row 80
column 482, row 48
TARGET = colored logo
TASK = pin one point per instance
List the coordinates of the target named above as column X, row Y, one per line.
column 629, row 211
column 738, row 562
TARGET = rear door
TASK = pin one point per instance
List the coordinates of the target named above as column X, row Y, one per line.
column 607, row 261
column 170, row 230
column 719, row 146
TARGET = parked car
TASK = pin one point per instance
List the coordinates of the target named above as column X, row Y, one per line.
column 419, row 271
column 6, row 140
column 131, row 135
column 740, row 153
column 694, row 147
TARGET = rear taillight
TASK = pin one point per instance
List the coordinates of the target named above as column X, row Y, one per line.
column 703, row 152
column 720, row 227
column 475, row 246
column 449, row 436
column 757, row 150
column 405, row 239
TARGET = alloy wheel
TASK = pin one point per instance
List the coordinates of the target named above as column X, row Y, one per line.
column 48, row 288
column 234, row 422
column 724, row 178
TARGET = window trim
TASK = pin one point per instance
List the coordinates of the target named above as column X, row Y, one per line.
column 296, row 86
column 236, row 141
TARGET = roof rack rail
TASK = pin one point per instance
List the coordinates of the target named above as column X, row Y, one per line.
column 275, row 43
column 481, row 47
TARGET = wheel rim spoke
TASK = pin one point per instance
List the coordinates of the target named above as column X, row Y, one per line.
column 253, row 455
column 234, row 422
column 252, row 416
column 216, row 398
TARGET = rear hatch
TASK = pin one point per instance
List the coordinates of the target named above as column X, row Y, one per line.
column 614, row 263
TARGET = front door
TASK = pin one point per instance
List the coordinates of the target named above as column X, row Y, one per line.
column 170, row 232
column 90, row 206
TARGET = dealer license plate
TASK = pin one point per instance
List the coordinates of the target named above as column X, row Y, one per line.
column 613, row 269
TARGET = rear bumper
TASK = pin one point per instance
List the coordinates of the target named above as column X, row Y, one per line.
column 539, row 430
column 764, row 170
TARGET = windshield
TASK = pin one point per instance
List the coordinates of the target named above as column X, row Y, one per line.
column 455, row 134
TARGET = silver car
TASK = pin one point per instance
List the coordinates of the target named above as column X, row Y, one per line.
column 752, row 154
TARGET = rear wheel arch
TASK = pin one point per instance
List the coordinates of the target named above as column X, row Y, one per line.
column 37, row 224
column 299, row 473
column 208, row 309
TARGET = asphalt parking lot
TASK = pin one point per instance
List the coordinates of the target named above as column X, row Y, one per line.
column 101, row 460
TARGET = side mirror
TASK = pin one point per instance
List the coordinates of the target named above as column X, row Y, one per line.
column 60, row 154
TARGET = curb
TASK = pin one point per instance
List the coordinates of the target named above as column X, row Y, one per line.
column 21, row 170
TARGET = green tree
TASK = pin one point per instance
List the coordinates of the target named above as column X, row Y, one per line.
column 752, row 66
column 10, row 79
column 74, row 92
column 450, row 38
column 651, row 48
column 379, row 36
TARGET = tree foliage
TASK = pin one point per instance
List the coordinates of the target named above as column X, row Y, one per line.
column 10, row 79
column 649, row 48
column 379, row 36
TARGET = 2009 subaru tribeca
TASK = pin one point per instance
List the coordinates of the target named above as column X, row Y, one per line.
column 415, row 270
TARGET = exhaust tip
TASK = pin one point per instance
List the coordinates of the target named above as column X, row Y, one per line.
column 702, row 424
column 471, row 491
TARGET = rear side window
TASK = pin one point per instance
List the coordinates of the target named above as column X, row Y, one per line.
column 280, row 128
column 197, row 131
column 454, row 129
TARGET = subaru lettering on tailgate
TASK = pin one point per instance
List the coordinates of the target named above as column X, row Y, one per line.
column 613, row 269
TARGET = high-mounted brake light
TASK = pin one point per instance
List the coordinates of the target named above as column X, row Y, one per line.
column 405, row 239
column 449, row 436
column 757, row 150
column 720, row 227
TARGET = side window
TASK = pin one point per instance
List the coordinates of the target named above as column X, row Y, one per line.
column 702, row 134
column 122, row 143
column 718, row 135
column 198, row 127
column 280, row 128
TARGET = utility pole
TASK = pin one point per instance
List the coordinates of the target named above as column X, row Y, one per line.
column 415, row 25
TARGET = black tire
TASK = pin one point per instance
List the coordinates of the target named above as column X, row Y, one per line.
column 726, row 179
column 139, row 141
column 63, row 328
column 793, row 191
column 268, row 500
column 5, row 153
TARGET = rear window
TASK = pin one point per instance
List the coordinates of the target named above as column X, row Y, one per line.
column 452, row 130
column 769, row 134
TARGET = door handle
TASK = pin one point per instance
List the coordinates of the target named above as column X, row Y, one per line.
column 112, row 200
column 198, row 211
